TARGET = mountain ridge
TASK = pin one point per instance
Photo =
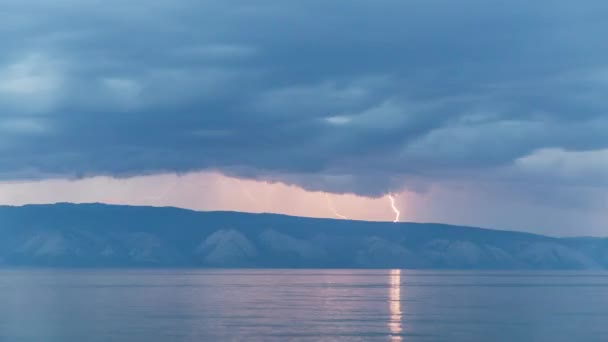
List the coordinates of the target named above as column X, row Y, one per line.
column 101, row 204
column 102, row 235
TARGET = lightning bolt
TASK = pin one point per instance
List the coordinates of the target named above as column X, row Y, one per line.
column 250, row 196
column 165, row 193
column 247, row 193
column 395, row 210
column 333, row 209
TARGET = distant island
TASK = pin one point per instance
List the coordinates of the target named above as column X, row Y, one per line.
column 99, row 235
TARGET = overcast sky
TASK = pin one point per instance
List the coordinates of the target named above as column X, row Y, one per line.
column 476, row 112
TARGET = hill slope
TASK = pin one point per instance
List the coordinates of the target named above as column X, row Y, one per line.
column 97, row 235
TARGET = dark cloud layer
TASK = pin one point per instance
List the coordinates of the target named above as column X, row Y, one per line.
column 345, row 96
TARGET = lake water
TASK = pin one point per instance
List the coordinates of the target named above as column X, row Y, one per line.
column 301, row 305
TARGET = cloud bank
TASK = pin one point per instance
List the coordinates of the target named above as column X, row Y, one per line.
column 361, row 97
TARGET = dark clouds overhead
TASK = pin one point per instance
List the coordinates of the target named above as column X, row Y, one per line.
column 345, row 96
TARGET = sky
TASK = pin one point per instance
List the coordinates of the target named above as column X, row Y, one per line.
column 475, row 112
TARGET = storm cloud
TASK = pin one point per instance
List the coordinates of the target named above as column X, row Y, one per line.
column 352, row 96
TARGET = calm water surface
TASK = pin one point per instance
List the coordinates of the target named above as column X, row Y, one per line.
column 301, row 305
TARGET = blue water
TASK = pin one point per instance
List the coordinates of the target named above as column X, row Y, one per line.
column 301, row 305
